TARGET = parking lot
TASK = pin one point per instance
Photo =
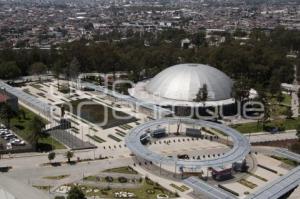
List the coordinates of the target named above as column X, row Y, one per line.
column 9, row 140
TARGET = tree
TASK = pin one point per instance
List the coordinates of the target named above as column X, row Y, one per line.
column 76, row 193
column 37, row 68
column 74, row 69
column 267, row 110
column 199, row 38
column 69, row 155
column 241, row 89
column 57, row 70
column 275, row 84
column 9, row 70
column 202, row 94
column 239, row 33
column 22, row 113
column 280, row 97
column 51, row 156
column 36, row 128
column 289, row 113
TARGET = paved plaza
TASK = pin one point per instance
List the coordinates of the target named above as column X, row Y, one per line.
column 29, row 169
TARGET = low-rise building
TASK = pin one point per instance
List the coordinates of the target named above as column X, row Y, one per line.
column 9, row 99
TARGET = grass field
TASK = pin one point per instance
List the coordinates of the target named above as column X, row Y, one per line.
column 286, row 161
column 258, row 127
column 43, row 188
column 56, row 177
column 125, row 170
column 287, row 99
column 146, row 190
column 21, row 126
column 247, row 183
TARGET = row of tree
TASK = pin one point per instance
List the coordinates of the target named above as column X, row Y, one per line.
column 258, row 62
column 68, row 155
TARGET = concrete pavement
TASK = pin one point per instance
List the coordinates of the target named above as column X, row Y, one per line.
column 20, row 190
column 295, row 99
column 19, row 182
column 268, row 137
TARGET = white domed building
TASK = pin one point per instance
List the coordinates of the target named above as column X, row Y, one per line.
column 179, row 85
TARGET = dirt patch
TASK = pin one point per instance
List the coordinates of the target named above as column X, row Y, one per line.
column 281, row 143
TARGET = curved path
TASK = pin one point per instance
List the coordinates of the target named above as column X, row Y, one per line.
column 241, row 145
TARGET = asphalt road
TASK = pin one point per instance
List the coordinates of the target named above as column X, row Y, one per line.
column 19, row 189
column 19, row 181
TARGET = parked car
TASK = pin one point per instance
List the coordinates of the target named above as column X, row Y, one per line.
column 10, row 136
column 5, row 134
column 17, row 142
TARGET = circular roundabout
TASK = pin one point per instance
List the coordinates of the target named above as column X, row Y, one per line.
column 239, row 150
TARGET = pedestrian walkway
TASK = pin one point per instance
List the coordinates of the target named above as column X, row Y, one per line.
column 288, row 154
column 20, row 190
column 268, row 137
column 209, row 190
column 295, row 99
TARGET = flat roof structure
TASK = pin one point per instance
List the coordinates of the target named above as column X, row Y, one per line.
column 272, row 190
column 207, row 189
column 241, row 145
column 287, row 154
column 278, row 187
column 27, row 99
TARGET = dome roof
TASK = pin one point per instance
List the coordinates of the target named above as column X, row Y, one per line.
column 182, row 82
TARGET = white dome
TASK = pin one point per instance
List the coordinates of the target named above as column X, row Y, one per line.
column 182, row 82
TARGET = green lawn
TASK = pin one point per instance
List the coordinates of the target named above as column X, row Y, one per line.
column 56, row 177
column 257, row 127
column 279, row 108
column 287, row 99
column 147, row 190
column 286, row 161
column 22, row 127
column 179, row 188
column 36, row 86
column 248, row 127
column 100, row 179
column 125, row 170
column 257, row 176
column 247, row 183
column 114, row 138
column 43, row 188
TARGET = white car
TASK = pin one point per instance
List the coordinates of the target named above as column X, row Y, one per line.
column 5, row 134
column 9, row 136
column 18, row 143
column 2, row 131
column 14, row 140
